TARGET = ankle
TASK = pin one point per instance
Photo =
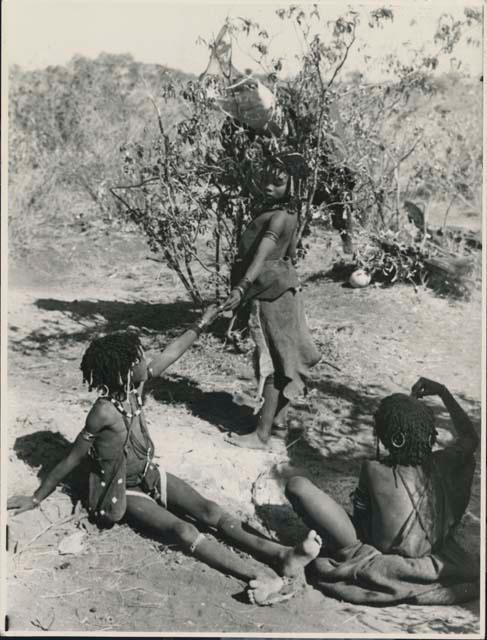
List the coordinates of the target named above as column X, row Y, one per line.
column 263, row 434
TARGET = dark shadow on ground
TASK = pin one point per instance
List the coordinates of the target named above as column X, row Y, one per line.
column 104, row 316
column 215, row 407
column 339, row 272
column 362, row 402
column 43, row 450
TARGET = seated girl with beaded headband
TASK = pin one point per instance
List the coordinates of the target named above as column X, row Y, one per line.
column 125, row 480
column 399, row 544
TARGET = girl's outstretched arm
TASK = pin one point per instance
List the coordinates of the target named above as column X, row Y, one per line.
column 96, row 419
column 175, row 349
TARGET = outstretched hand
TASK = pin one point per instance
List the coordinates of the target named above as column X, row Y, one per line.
column 21, row 504
column 232, row 302
column 210, row 314
column 426, row 387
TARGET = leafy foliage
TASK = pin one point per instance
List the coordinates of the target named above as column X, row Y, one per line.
column 200, row 180
column 105, row 138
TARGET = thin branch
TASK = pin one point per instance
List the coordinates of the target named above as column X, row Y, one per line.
column 154, row 103
column 136, row 186
column 345, row 56
column 408, row 153
column 205, row 267
column 448, row 210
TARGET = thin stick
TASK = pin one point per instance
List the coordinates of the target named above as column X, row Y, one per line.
column 148, row 564
column 37, row 623
column 293, row 442
column 63, row 595
column 143, row 606
column 53, row 524
column 330, row 365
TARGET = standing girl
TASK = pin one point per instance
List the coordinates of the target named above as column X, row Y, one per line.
column 264, row 276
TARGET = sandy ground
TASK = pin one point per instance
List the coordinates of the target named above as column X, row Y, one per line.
column 378, row 341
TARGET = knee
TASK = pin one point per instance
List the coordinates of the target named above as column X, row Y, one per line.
column 211, row 513
column 185, row 532
column 296, row 487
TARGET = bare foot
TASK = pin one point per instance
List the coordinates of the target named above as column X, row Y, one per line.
column 294, row 560
column 250, row 441
column 265, row 591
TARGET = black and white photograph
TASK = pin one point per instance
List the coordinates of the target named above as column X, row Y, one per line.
column 243, row 319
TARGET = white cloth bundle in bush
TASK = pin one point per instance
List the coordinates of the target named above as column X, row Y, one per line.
column 249, row 102
column 239, row 96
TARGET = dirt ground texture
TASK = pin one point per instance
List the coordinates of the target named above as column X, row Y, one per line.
column 374, row 341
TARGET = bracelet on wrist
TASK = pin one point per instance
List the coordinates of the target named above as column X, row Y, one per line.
column 197, row 327
column 36, row 501
column 243, row 286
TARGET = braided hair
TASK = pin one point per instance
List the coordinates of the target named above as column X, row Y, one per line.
column 406, row 427
column 108, row 360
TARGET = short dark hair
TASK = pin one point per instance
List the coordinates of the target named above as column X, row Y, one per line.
column 107, row 361
column 406, row 428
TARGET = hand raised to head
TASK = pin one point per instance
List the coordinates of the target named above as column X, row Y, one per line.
column 426, row 387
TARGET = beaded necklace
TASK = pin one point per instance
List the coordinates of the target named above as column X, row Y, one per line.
column 119, row 406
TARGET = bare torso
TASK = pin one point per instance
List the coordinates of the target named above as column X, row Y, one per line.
column 114, row 433
column 391, row 503
column 285, row 244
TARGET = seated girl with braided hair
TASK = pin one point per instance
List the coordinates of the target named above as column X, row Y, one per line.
column 125, row 481
column 398, row 546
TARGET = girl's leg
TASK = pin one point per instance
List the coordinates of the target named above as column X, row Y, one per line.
column 319, row 511
column 280, row 418
column 274, row 402
column 146, row 513
column 180, row 495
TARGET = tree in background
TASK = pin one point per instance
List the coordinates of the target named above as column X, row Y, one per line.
column 192, row 188
column 111, row 137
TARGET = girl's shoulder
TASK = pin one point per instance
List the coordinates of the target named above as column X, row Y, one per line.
column 380, row 470
column 102, row 413
column 282, row 219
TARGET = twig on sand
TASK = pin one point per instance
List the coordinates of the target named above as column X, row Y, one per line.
column 37, row 623
column 293, row 442
column 329, row 364
column 234, row 614
column 253, row 497
column 149, row 605
column 53, row 524
column 64, row 595
column 45, row 514
column 151, row 591
column 355, row 615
